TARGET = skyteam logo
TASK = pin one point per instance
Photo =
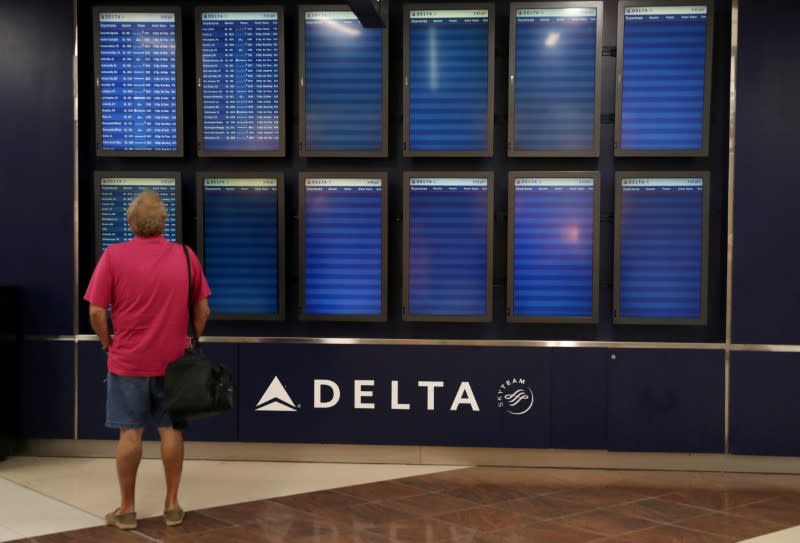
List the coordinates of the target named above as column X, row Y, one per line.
column 275, row 398
column 515, row 396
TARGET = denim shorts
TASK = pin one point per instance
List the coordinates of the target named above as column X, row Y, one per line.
column 132, row 402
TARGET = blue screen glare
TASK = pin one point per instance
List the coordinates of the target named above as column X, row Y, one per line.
column 343, row 83
column 241, row 82
column 661, row 249
column 554, row 85
column 448, row 226
column 117, row 193
column 663, row 79
column 553, row 232
column 448, row 80
column 241, row 245
column 138, row 82
column 343, row 247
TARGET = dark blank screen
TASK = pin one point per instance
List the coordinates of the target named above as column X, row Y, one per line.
column 343, row 83
column 343, row 245
column 661, row 248
column 555, row 64
column 553, row 244
column 663, row 78
column 240, row 245
column 448, row 62
column 447, row 247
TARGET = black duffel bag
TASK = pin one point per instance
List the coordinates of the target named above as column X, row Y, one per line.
column 194, row 386
column 197, row 387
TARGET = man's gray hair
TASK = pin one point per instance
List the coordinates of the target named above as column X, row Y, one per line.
column 147, row 215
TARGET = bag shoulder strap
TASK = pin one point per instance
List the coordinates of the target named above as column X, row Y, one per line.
column 191, row 316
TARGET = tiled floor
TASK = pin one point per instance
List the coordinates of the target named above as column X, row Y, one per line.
column 469, row 505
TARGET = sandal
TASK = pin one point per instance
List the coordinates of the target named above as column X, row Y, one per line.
column 174, row 517
column 124, row 521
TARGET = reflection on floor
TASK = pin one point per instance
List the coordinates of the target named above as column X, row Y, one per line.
column 330, row 503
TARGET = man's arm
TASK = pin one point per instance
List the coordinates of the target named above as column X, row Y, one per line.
column 99, row 320
column 200, row 312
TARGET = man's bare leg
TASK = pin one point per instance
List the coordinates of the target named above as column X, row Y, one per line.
column 129, row 454
column 172, row 457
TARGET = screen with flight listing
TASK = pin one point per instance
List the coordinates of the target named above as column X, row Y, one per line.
column 343, row 247
column 114, row 192
column 552, row 241
column 660, row 251
column 241, row 244
column 447, row 255
column 343, row 95
column 663, row 79
column 449, row 81
column 138, row 94
column 554, row 80
column 240, row 92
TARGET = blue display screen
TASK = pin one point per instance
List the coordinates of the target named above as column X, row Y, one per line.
column 241, row 245
column 448, row 225
column 117, row 193
column 138, row 82
column 663, row 79
column 554, row 85
column 661, row 249
column 343, row 247
column 343, row 83
column 241, row 81
column 553, row 247
column 448, row 80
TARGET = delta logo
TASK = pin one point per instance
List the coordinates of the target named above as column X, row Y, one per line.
column 514, row 396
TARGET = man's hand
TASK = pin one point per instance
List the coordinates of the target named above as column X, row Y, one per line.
column 99, row 320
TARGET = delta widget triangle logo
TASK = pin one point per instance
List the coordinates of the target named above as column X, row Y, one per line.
column 275, row 398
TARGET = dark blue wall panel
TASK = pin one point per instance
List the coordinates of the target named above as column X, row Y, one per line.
column 92, row 398
column 765, row 296
column 485, row 370
column 36, row 46
column 666, row 400
column 765, row 406
column 46, row 385
column 578, row 397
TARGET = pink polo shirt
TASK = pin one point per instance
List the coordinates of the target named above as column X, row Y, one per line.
column 146, row 282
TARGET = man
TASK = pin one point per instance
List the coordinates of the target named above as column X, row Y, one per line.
column 146, row 282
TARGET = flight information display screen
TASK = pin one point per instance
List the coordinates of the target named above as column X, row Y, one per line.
column 343, row 78
column 242, row 245
column 240, row 97
column 343, row 236
column 114, row 193
column 555, row 81
column 660, row 255
column 553, row 240
column 449, row 61
column 138, row 95
column 663, row 80
column 448, row 252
